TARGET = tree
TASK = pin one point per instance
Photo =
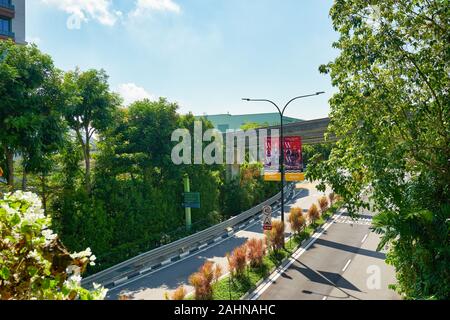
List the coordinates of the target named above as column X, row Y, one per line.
column 256, row 250
column 297, row 220
column 237, row 261
column 391, row 116
column 90, row 109
column 275, row 237
column 323, row 204
column 30, row 107
column 203, row 280
column 313, row 213
column 35, row 264
column 332, row 198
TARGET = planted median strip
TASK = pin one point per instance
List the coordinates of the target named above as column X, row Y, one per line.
column 253, row 262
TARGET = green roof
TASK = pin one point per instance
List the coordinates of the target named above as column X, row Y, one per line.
column 224, row 122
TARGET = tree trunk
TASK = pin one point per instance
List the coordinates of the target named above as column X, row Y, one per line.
column 10, row 165
column 24, row 179
column 87, row 160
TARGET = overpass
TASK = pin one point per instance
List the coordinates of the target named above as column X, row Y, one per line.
column 311, row 131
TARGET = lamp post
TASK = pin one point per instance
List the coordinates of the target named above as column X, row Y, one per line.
column 281, row 112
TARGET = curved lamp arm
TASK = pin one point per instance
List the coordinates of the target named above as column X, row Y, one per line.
column 300, row 97
column 263, row 100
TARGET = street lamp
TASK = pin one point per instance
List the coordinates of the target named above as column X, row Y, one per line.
column 281, row 112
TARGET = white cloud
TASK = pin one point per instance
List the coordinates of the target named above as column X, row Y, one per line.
column 145, row 6
column 99, row 10
column 130, row 93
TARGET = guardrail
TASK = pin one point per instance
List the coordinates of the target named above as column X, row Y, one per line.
column 157, row 257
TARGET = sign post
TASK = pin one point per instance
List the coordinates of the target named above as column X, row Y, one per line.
column 190, row 200
column 187, row 188
column 267, row 218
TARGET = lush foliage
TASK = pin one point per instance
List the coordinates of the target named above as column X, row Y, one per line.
column 297, row 219
column 256, row 249
column 178, row 295
column 316, row 152
column 237, row 261
column 332, row 198
column 203, row 280
column 323, row 203
column 391, row 116
column 313, row 213
column 30, row 109
column 33, row 262
column 275, row 237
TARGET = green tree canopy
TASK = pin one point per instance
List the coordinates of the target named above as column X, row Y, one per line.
column 391, row 115
column 30, row 107
column 90, row 107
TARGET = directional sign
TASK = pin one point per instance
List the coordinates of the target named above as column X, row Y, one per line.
column 192, row 200
column 267, row 218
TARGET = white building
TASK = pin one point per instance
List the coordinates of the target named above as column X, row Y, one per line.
column 12, row 20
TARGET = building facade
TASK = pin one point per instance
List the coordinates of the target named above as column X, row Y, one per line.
column 224, row 122
column 12, row 20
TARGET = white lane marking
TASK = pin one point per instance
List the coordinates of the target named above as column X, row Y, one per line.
column 134, row 279
column 365, row 238
column 277, row 273
column 325, row 298
column 346, row 265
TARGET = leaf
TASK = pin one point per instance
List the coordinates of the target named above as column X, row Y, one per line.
column 15, row 220
column 4, row 273
column 32, row 271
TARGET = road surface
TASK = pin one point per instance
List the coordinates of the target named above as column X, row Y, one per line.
column 341, row 264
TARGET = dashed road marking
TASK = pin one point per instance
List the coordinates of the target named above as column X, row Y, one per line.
column 365, row 238
column 346, row 265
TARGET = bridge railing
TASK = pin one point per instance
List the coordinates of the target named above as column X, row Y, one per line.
column 146, row 261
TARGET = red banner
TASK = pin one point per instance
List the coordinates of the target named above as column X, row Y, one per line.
column 293, row 161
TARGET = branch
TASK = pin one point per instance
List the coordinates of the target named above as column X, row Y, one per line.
column 91, row 132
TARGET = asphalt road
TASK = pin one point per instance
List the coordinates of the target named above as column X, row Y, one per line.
column 152, row 286
column 341, row 264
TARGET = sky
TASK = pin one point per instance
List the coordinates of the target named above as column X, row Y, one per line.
column 203, row 54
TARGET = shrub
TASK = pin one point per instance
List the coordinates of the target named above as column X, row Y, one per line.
column 203, row 280
column 323, row 203
column 237, row 261
column 313, row 213
column 34, row 262
column 256, row 250
column 297, row 220
column 275, row 237
column 332, row 197
column 179, row 294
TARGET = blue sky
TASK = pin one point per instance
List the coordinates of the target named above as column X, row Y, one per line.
column 204, row 54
